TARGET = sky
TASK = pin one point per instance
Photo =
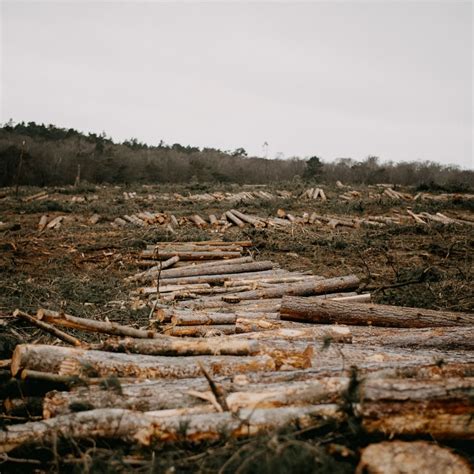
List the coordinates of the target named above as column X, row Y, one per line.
column 332, row 79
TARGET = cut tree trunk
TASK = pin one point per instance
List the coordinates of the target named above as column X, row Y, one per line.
column 132, row 426
column 170, row 346
column 150, row 396
column 192, row 255
column 200, row 331
column 330, row 311
column 91, row 363
column 234, row 219
column 303, row 289
column 199, row 270
column 412, row 457
column 441, row 408
column 444, row 338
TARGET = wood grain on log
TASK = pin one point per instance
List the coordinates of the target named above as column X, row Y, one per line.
column 412, row 457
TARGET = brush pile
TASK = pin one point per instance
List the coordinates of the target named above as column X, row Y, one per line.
column 237, row 347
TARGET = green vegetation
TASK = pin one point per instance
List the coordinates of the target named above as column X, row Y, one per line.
column 52, row 155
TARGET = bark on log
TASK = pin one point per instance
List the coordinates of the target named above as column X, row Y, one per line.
column 200, row 331
column 151, row 396
column 132, row 426
column 442, row 408
column 234, row 219
column 301, row 289
column 220, row 277
column 192, row 255
column 445, row 338
column 66, row 320
column 170, row 346
column 198, row 220
column 255, row 221
column 413, row 457
column 199, row 270
column 69, row 361
column 330, row 311
column 196, row 319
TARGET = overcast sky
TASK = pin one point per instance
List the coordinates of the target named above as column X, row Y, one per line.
column 345, row 79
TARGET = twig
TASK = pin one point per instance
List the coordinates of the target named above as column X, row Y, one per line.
column 218, row 392
column 155, row 304
column 48, row 328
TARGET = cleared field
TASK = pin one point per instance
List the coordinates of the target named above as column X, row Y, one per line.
column 88, row 252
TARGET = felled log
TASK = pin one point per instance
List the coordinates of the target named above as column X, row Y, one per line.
column 412, row 457
column 301, row 289
column 74, row 322
column 170, row 346
column 132, row 426
column 443, row 338
column 149, row 396
column 37, row 196
column 193, row 255
column 93, row 363
column 256, row 222
column 200, row 330
column 213, row 220
column 442, row 408
column 333, row 333
column 199, row 270
column 221, row 277
column 234, row 219
column 330, row 311
column 42, row 223
column 203, row 316
column 198, row 220
column 195, row 319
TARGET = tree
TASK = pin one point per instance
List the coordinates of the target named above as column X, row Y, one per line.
column 314, row 168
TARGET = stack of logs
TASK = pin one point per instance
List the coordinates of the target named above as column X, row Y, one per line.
column 295, row 349
column 283, row 219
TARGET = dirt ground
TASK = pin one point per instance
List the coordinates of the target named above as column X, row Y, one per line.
column 81, row 268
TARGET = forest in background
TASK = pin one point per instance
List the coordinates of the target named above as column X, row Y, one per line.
column 51, row 156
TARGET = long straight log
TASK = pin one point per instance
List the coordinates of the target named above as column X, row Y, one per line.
column 255, row 221
column 170, row 346
column 153, row 271
column 441, row 408
column 195, row 319
column 144, row 428
column 99, row 363
column 220, row 277
column 234, row 219
column 199, row 270
column 150, row 396
column 444, row 338
column 201, row 330
column 302, row 289
column 74, row 322
column 330, row 311
column 192, row 255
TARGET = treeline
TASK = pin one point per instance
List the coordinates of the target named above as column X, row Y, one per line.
column 52, row 156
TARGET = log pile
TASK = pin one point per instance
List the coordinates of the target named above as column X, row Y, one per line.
column 239, row 346
column 314, row 193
